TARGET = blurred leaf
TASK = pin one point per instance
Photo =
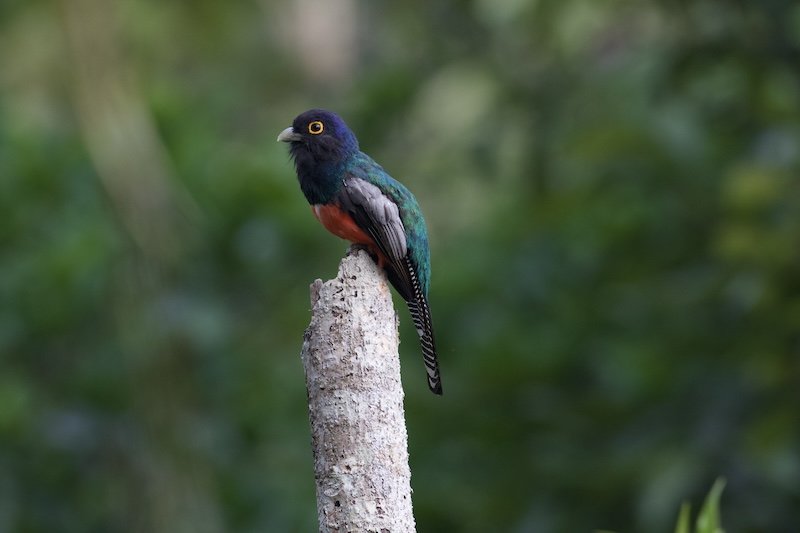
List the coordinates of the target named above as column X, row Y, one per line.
column 708, row 521
column 683, row 524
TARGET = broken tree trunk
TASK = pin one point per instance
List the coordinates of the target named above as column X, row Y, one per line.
column 355, row 402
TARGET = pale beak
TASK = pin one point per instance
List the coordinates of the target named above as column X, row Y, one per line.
column 288, row 135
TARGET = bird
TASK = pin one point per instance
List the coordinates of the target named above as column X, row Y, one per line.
column 356, row 199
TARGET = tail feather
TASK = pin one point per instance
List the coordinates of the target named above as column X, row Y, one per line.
column 421, row 316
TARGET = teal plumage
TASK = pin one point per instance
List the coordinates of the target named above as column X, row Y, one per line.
column 356, row 199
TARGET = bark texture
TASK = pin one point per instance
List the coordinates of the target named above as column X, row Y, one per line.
column 355, row 402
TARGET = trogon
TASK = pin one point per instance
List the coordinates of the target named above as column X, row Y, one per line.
column 355, row 199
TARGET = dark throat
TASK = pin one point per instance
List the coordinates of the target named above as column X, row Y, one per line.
column 320, row 172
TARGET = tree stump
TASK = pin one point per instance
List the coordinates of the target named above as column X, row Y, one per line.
column 355, row 402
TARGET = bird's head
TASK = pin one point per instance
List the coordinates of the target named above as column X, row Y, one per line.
column 321, row 136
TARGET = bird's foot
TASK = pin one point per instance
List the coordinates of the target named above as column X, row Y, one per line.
column 355, row 248
column 377, row 257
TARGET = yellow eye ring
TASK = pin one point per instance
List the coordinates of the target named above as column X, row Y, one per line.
column 316, row 127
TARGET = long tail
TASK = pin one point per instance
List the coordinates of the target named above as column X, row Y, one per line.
column 421, row 315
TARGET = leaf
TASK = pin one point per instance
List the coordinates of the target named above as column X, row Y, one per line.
column 708, row 521
column 683, row 519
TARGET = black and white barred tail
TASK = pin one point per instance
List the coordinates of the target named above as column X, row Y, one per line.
column 421, row 315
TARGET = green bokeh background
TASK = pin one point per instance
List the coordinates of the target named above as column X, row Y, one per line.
column 613, row 195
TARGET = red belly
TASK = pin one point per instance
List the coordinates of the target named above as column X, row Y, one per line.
column 340, row 223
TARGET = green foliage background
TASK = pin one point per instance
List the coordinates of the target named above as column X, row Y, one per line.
column 614, row 205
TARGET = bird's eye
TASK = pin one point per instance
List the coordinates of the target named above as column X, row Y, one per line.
column 316, row 127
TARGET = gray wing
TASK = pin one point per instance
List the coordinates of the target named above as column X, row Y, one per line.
column 377, row 215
